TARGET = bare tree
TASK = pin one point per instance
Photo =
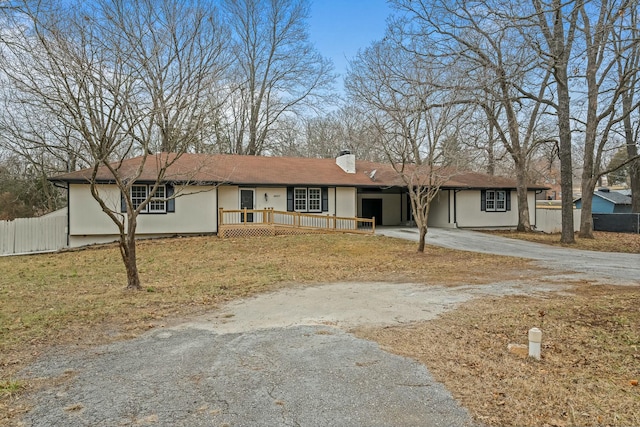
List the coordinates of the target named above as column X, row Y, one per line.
column 604, row 87
column 277, row 71
column 626, row 36
column 124, row 77
column 557, row 22
column 481, row 41
column 413, row 118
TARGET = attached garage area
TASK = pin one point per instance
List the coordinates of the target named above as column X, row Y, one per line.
column 392, row 207
column 450, row 208
column 385, row 205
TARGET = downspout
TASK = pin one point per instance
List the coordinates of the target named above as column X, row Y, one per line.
column 455, row 207
column 401, row 210
column 216, row 209
column 449, row 206
column 68, row 216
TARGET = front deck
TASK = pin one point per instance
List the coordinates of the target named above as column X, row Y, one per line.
column 269, row 222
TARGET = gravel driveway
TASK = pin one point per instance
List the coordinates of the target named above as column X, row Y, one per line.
column 284, row 358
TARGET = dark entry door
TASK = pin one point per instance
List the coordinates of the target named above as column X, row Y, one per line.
column 246, row 202
column 372, row 208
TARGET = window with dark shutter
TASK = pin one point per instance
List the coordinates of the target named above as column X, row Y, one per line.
column 171, row 203
column 495, row 200
column 158, row 203
column 325, row 199
column 289, row 199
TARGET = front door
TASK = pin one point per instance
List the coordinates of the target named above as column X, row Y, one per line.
column 246, row 202
column 372, row 208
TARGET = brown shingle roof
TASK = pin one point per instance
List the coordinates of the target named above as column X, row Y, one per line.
column 258, row 170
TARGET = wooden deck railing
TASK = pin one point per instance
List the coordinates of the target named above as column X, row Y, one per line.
column 271, row 222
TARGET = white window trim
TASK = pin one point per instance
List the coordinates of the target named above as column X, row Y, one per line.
column 163, row 200
column 494, row 200
column 319, row 199
column 296, row 199
column 148, row 188
column 134, row 200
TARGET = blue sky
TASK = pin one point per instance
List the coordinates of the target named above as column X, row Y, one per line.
column 338, row 28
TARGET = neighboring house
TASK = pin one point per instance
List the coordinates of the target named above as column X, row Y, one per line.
column 606, row 201
column 342, row 187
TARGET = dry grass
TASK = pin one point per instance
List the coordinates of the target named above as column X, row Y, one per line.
column 591, row 357
column 602, row 241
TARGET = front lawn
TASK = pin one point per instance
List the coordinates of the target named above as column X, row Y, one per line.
column 590, row 336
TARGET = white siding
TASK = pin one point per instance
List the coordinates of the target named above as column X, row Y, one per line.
column 346, row 200
column 469, row 213
column 439, row 210
column 276, row 198
column 229, row 197
column 195, row 213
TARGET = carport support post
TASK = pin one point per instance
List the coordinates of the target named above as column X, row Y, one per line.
column 535, row 338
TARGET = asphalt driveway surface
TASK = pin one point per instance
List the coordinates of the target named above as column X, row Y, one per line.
column 300, row 376
column 614, row 267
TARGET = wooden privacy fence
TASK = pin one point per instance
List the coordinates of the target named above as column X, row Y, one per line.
column 269, row 222
column 25, row 235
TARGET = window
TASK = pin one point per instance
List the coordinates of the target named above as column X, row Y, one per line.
column 307, row 199
column 157, row 204
column 138, row 195
column 495, row 201
column 500, row 199
column 315, row 197
column 300, row 199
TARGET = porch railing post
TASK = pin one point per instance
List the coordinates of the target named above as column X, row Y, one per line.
column 245, row 216
column 220, row 216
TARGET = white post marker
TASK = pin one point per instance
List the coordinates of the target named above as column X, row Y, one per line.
column 535, row 338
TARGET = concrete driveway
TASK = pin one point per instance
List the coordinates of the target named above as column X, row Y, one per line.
column 287, row 358
column 614, row 268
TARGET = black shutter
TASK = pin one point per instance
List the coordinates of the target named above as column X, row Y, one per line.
column 290, row 199
column 171, row 203
column 508, row 199
column 325, row 199
column 483, row 200
column 123, row 203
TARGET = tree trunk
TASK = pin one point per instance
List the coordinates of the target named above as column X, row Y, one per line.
column 128, row 253
column 632, row 151
column 566, row 166
column 133, row 278
column 491, row 155
column 586, row 217
column 423, row 236
column 523, row 203
column 634, row 178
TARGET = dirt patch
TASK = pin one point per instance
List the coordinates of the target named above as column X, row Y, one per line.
column 587, row 376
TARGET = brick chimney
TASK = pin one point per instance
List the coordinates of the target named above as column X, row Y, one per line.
column 346, row 161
